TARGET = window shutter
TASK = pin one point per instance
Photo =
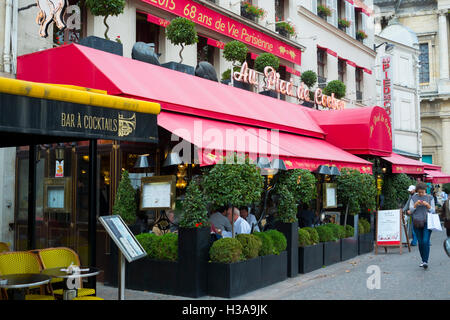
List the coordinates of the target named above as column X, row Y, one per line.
column 330, row 6
column 364, row 26
column 352, row 19
column 335, row 13
column 314, row 6
column 348, row 16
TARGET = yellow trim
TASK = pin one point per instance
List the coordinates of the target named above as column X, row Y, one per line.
column 56, row 92
column 79, row 88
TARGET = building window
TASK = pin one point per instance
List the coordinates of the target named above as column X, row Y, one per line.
column 424, row 58
column 205, row 52
column 427, row 159
column 279, row 10
column 341, row 69
column 321, row 65
column 146, row 31
column 358, row 80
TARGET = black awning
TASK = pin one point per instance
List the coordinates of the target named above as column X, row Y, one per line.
column 52, row 121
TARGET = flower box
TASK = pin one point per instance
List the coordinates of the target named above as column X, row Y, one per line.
column 228, row 280
column 273, row 268
column 310, row 258
column 349, row 248
column 290, row 231
column 331, row 252
column 251, row 12
column 365, row 243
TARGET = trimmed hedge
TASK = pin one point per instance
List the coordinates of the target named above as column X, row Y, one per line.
column 304, row 239
column 349, row 231
column 326, row 234
column 163, row 247
column 251, row 245
column 226, row 250
column 313, row 235
column 266, row 243
column 279, row 241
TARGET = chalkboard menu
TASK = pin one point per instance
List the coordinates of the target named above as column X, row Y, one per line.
column 123, row 237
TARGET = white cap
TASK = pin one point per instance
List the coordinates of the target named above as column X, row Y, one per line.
column 411, row 188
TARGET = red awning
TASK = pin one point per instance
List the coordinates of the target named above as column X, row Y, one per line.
column 437, row 177
column 359, row 131
column 214, row 138
column 429, row 166
column 175, row 91
column 406, row 165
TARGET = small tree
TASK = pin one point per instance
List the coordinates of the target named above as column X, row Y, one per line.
column 302, row 184
column 235, row 52
column 181, row 31
column 267, row 60
column 309, row 78
column 287, row 208
column 194, row 207
column 337, row 87
column 349, row 186
column 368, row 193
column 105, row 8
column 395, row 190
column 125, row 204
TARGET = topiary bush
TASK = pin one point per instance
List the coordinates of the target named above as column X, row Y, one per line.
column 125, row 204
column 337, row 87
column 266, row 243
column 287, row 208
column 265, row 60
column 181, row 31
column 349, row 231
column 163, row 247
column 366, row 225
column 325, row 233
column 368, row 194
column 309, row 78
column 235, row 52
column 226, row 75
column 226, row 250
column 300, row 182
column 251, row 245
column 194, row 207
column 279, row 241
column 338, row 230
column 149, row 242
column 313, row 235
column 304, row 239
column 395, row 190
column 105, row 8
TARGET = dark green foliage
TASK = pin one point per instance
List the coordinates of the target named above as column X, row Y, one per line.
column 251, row 245
column 194, row 207
column 226, row 250
column 125, row 204
column 395, row 190
column 313, row 235
column 226, row 75
column 368, row 193
column 266, row 243
column 349, row 188
column 338, row 230
column 238, row 184
column 287, row 208
column 325, row 233
column 337, row 87
column 349, row 231
column 363, row 226
column 265, row 60
column 301, row 182
column 279, row 241
column 309, row 78
column 163, row 247
column 235, row 51
column 303, row 238
column 446, row 188
column 105, row 8
column 181, row 31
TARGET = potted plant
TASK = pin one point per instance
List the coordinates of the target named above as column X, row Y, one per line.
column 286, row 29
column 349, row 244
column 181, row 31
column 267, row 60
column 323, row 11
column 365, row 239
column 125, row 201
column 236, row 53
column 361, row 35
column 310, row 250
column 229, row 273
column 226, row 75
column 309, row 78
column 273, row 257
column 349, row 188
column 104, row 8
column 331, row 244
column 251, row 12
column 368, row 197
column 343, row 24
column 337, row 87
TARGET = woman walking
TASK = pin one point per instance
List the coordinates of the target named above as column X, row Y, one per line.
column 421, row 204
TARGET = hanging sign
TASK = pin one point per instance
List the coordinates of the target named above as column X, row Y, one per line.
column 51, row 11
column 59, row 170
column 387, row 83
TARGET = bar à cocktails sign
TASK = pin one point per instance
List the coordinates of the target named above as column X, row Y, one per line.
column 272, row 81
column 227, row 26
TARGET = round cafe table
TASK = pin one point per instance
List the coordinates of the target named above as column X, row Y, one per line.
column 70, row 288
column 20, row 282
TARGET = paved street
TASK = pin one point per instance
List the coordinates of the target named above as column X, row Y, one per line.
column 401, row 278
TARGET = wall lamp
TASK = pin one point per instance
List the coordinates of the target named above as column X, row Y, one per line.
column 389, row 46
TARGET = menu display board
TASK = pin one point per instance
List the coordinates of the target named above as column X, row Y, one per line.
column 329, row 195
column 158, row 192
column 123, row 237
column 389, row 228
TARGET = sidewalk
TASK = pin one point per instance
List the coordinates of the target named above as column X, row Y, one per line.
column 401, row 278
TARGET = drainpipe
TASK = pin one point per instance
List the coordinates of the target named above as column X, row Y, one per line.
column 7, row 43
column 15, row 16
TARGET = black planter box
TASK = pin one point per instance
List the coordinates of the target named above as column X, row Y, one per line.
column 227, row 82
column 102, row 44
column 179, row 67
column 193, row 256
column 228, row 280
column 308, row 104
column 241, row 85
column 331, row 252
column 273, row 269
column 365, row 243
column 310, row 258
column 290, row 231
column 248, row 15
column 269, row 93
column 349, row 248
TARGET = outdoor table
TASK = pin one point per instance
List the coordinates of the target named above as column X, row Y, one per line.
column 20, row 282
column 70, row 293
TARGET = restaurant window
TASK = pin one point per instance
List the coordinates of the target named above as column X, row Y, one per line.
column 321, row 66
column 146, row 31
column 279, row 10
column 341, row 10
column 358, row 80
column 342, row 65
column 205, row 52
column 424, row 58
